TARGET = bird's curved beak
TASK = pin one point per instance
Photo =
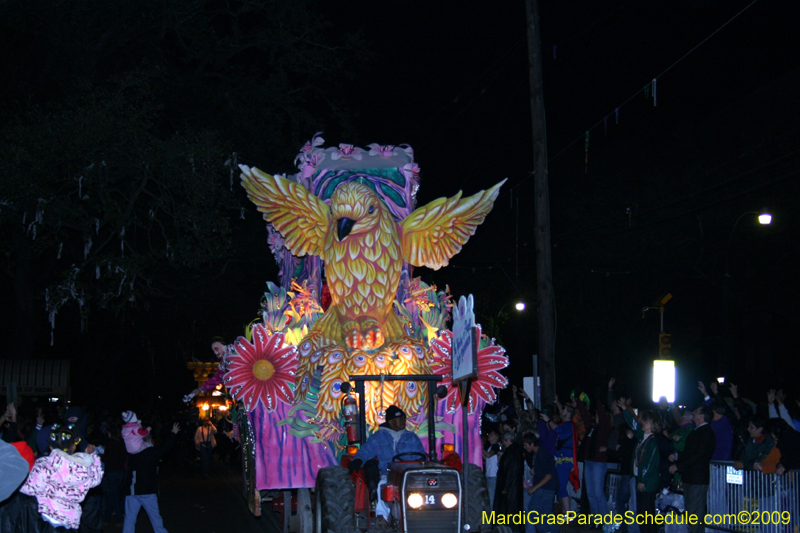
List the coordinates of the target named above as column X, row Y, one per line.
column 343, row 227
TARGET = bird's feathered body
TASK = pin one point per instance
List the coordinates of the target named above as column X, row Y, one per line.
column 363, row 248
column 363, row 270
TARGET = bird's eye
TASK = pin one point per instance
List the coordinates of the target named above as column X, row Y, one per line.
column 371, row 209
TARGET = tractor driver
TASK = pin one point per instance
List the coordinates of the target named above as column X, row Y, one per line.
column 391, row 439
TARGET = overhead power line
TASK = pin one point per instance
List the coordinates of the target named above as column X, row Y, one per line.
column 686, row 212
column 650, row 84
column 683, row 198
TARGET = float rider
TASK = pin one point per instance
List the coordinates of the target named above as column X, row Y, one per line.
column 224, row 352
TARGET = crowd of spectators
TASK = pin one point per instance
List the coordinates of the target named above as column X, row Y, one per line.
column 652, row 447
column 64, row 467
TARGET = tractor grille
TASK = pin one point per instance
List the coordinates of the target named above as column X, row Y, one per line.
column 433, row 521
column 445, row 481
column 433, row 518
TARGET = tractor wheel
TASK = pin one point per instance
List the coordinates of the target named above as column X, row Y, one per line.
column 478, row 497
column 335, row 501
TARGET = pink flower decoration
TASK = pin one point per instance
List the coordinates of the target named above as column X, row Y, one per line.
column 315, row 141
column 442, row 364
column 275, row 240
column 382, row 150
column 347, row 151
column 261, row 371
column 310, row 164
column 491, row 360
column 411, row 171
column 309, row 148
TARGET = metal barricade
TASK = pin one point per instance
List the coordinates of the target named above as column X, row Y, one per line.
column 612, row 488
column 747, row 501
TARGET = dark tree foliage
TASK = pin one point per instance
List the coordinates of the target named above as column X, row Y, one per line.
column 98, row 210
column 123, row 123
column 261, row 73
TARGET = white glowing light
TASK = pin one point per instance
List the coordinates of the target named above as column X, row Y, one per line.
column 449, row 500
column 663, row 380
column 415, row 500
column 520, row 306
column 765, row 218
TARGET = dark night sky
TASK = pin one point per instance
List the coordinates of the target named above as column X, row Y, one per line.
column 451, row 80
column 453, row 83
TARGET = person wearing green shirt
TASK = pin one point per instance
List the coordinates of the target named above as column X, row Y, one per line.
column 645, row 465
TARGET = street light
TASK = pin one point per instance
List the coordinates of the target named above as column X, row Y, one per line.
column 519, row 306
column 764, row 218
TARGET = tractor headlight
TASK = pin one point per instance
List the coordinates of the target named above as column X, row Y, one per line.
column 415, row 500
column 449, row 500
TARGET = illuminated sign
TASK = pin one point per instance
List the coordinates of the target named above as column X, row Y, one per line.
column 465, row 349
column 663, row 380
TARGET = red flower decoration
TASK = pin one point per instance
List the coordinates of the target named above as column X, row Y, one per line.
column 491, row 360
column 442, row 364
column 261, row 371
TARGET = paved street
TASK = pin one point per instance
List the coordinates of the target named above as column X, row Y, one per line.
column 191, row 504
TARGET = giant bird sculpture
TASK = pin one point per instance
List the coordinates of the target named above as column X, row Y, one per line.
column 363, row 248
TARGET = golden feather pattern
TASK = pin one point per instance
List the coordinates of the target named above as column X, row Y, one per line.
column 411, row 358
column 360, row 363
column 363, row 270
column 327, row 331
column 382, row 396
column 334, row 362
column 371, row 405
column 304, row 369
column 434, row 233
column 380, row 363
column 411, row 397
column 300, row 216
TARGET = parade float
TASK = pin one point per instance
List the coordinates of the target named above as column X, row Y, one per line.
column 346, row 234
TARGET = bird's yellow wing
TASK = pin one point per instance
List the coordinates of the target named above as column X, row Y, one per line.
column 301, row 217
column 434, row 233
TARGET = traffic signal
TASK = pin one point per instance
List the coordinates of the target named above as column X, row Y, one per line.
column 664, row 345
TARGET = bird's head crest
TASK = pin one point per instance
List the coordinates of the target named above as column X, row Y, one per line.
column 358, row 203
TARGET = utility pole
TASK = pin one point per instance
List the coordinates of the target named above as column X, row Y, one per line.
column 544, row 270
column 664, row 339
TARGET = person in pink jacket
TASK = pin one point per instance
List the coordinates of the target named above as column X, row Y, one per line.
column 133, row 433
column 60, row 481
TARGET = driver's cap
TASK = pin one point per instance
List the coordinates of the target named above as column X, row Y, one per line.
column 394, row 412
